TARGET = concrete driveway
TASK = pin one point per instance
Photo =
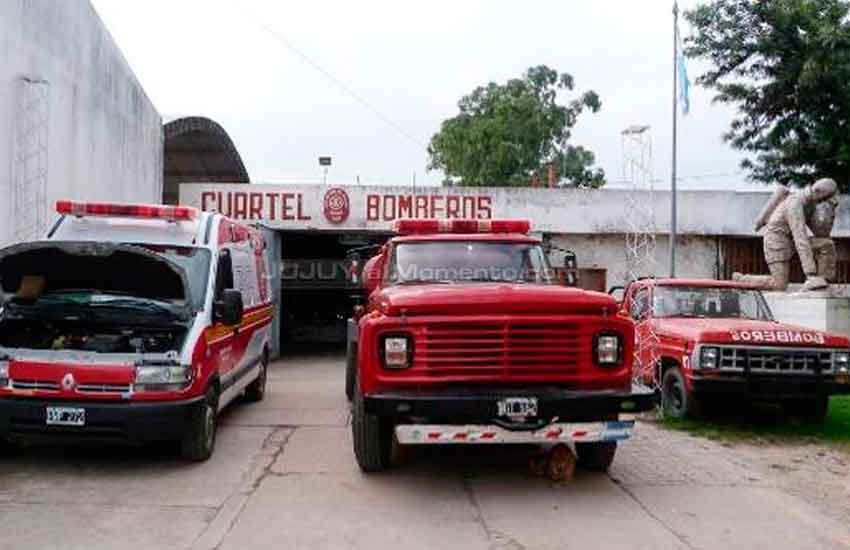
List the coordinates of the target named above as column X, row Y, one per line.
column 284, row 476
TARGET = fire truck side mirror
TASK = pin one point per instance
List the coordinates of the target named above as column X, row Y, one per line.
column 372, row 273
column 570, row 269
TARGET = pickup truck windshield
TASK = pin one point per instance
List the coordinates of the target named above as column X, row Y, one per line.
column 469, row 262
column 710, row 302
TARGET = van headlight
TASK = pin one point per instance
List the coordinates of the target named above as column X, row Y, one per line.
column 841, row 362
column 709, row 358
column 608, row 349
column 162, row 377
column 4, row 373
column 397, row 352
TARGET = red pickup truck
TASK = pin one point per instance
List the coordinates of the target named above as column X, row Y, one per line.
column 469, row 338
column 718, row 340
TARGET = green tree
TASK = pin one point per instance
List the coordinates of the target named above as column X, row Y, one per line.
column 785, row 65
column 508, row 134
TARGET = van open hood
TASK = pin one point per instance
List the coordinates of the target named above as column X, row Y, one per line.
column 107, row 267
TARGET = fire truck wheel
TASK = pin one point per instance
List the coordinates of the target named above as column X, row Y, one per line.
column 350, row 369
column 596, row 456
column 256, row 390
column 373, row 438
column 810, row 410
column 676, row 400
column 198, row 444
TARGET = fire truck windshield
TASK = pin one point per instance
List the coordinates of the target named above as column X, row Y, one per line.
column 710, row 302
column 449, row 262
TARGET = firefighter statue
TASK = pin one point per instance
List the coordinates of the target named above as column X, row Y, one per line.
column 787, row 219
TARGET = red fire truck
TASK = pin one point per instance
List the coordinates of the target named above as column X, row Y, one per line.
column 132, row 323
column 718, row 340
column 469, row 338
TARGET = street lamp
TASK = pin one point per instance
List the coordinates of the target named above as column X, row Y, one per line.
column 324, row 162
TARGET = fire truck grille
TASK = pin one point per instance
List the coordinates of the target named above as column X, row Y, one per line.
column 775, row 360
column 499, row 349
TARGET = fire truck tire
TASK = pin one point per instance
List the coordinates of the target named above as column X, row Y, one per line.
column 256, row 390
column 676, row 400
column 199, row 443
column 373, row 438
column 810, row 410
column 598, row 456
column 350, row 369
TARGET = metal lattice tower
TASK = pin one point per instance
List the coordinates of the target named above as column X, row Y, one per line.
column 29, row 189
column 640, row 244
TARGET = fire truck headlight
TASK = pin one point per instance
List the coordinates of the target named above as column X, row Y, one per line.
column 162, row 377
column 709, row 358
column 397, row 352
column 841, row 362
column 608, row 349
column 4, row 373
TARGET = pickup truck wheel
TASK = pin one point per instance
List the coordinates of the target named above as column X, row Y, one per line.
column 199, row 443
column 350, row 369
column 596, row 456
column 373, row 438
column 810, row 410
column 256, row 390
column 676, row 400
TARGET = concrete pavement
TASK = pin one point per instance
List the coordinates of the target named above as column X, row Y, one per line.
column 284, row 476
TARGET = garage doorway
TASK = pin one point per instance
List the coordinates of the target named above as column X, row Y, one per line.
column 317, row 295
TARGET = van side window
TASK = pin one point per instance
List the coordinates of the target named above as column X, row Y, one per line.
column 224, row 273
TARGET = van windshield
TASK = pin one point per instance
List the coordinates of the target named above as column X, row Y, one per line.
column 469, row 262
column 194, row 261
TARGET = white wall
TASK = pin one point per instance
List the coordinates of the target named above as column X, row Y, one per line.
column 696, row 255
column 81, row 128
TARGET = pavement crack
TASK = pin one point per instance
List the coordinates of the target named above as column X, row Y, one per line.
column 679, row 536
column 496, row 539
column 281, row 446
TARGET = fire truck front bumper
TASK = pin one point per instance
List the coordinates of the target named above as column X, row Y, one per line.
column 510, row 415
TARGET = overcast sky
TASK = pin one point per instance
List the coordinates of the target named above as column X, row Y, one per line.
column 411, row 62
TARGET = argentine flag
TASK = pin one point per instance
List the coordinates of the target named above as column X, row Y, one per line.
column 684, row 82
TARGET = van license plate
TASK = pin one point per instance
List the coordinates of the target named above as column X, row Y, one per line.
column 66, row 416
column 518, row 407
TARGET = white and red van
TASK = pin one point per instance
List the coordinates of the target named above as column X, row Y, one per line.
column 132, row 322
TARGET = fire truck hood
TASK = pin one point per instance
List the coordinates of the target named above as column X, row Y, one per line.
column 746, row 332
column 491, row 299
column 29, row 270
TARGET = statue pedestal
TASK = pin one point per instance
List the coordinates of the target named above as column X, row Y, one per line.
column 820, row 310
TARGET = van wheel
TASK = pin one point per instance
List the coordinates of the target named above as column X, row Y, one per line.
column 676, row 400
column 811, row 410
column 256, row 390
column 373, row 438
column 597, row 456
column 199, row 443
column 350, row 369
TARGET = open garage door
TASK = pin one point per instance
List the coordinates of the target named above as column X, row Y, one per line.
column 317, row 296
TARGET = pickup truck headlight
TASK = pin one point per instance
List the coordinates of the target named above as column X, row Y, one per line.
column 4, row 373
column 397, row 352
column 709, row 358
column 162, row 377
column 841, row 362
column 608, row 349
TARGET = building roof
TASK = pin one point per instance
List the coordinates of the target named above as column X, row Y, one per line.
column 198, row 150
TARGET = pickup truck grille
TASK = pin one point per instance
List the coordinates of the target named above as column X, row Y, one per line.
column 499, row 349
column 775, row 360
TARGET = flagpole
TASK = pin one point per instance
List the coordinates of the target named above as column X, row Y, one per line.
column 675, row 136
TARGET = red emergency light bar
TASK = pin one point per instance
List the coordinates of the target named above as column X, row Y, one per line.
column 80, row 209
column 409, row 226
